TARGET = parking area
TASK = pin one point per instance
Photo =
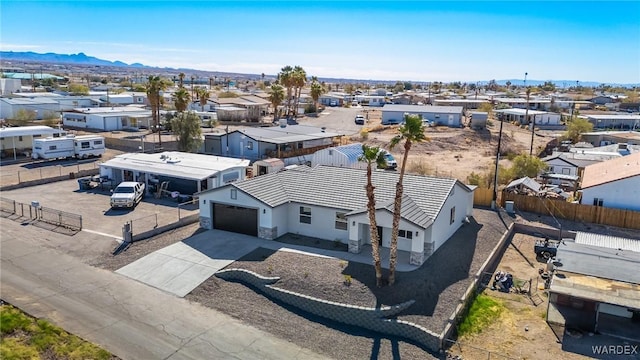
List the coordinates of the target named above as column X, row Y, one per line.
column 93, row 205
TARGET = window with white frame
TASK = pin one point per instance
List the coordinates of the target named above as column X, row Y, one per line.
column 453, row 215
column 249, row 145
column 405, row 234
column 598, row 202
column 341, row 221
column 305, row 215
column 85, row 145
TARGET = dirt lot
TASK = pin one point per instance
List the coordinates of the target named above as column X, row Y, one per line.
column 454, row 152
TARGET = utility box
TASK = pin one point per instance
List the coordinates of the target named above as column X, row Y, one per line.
column 509, row 207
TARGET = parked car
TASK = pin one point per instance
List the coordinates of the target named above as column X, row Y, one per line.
column 546, row 248
column 390, row 161
column 333, row 103
column 360, row 119
column 127, row 194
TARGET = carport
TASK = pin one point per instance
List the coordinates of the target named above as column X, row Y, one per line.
column 236, row 219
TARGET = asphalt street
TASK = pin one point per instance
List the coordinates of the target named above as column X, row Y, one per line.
column 129, row 319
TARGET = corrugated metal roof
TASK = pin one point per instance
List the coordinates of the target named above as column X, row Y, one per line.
column 607, row 241
column 599, row 261
column 525, row 181
column 344, row 188
column 176, row 164
column 351, row 151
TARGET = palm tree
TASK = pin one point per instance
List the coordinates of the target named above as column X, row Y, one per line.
column 316, row 91
column 203, row 96
column 181, row 99
column 286, row 79
column 181, row 76
column 154, row 86
column 276, row 95
column 299, row 81
column 372, row 155
column 411, row 131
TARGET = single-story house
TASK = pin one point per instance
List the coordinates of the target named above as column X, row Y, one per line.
column 14, row 140
column 333, row 99
column 465, row 103
column 185, row 173
column 602, row 138
column 342, row 156
column 613, row 183
column 522, row 116
column 266, row 142
column 255, row 106
column 614, row 121
column 9, row 86
column 568, row 163
column 330, row 203
column 38, row 106
column 108, row 119
column 596, row 288
column 438, row 115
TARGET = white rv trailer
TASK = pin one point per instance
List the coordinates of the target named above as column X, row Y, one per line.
column 82, row 147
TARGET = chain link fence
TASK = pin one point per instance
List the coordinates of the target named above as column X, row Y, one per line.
column 45, row 172
column 35, row 212
column 457, row 350
column 147, row 226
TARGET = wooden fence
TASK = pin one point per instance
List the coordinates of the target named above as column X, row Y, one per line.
column 483, row 197
column 576, row 212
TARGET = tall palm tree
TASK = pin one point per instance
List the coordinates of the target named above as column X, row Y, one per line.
column 181, row 99
column 410, row 132
column 299, row 81
column 276, row 95
column 156, row 84
column 287, row 80
column 372, row 155
column 181, row 76
column 316, row 91
column 203, row 96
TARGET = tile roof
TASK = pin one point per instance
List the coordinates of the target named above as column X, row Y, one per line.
column 611, row 170
column 344, row 188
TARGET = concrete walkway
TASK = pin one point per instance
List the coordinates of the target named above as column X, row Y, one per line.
column 181, row 267
column 127, row 318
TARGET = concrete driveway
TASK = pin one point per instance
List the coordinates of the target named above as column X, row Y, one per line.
column 183, row 266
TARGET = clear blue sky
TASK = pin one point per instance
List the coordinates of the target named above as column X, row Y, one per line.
column 386, row 40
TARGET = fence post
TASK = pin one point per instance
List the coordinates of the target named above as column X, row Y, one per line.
column 156, row 220
column 18, row 177
column 80, row 222
column 59, row 218
column 40, row 173
column 60, row 170
column 14, row 206
column 179, row 212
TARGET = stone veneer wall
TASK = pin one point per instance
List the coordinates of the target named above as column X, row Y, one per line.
column 368, row 318
column 205, row 222
column 268, row 233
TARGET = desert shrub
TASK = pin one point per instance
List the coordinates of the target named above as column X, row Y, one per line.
column 364, row 134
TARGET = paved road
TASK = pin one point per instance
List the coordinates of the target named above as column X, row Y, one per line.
column 130, row 319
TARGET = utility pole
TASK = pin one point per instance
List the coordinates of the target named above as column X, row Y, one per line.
column 526, row 116
column 494, row 204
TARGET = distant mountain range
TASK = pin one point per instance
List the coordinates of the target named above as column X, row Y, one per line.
column 78, row 59
column 82, row 59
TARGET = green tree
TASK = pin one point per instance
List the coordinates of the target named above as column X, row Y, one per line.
column 299, row 81
column 526, row 165
column 373, row 156
column 24, row 116
column 316, row 91
column 410, row 132
column 78, row 89
column 181, row 99
column 576, row 127
column 287, row 80
column 203, row 96
column 186, row 127
column 276, row 95
column 155, row 85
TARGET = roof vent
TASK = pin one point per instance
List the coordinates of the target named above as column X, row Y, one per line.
column 171, row 160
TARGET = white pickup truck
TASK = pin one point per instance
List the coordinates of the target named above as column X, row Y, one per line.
column 127, row 194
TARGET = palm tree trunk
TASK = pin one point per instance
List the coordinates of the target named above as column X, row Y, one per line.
column 373, row 228
column 395, row 226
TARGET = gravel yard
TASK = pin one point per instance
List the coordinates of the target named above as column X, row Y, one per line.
column 436, row 288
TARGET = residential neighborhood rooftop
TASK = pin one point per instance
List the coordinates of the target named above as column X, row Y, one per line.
column 344, row 188
column 611, row 170
column 424, row 108
column 177, row 164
